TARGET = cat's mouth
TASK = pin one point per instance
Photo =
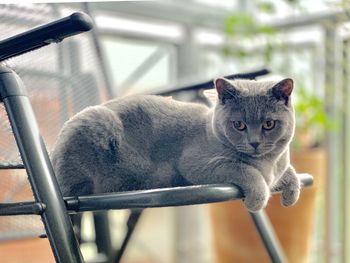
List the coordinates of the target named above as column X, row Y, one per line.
column 256, row 153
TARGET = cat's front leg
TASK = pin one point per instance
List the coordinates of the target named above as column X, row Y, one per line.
column 251, row 182
column 289, row 183
column 255, row 189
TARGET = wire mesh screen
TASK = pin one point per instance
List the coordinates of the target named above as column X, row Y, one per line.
column 60, row 80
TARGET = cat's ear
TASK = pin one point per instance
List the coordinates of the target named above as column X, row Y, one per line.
column 225, row 90
column 283, row 90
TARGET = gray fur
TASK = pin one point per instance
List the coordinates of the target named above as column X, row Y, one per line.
column 143, row 142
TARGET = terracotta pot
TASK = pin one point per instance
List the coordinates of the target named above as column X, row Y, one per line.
column 234, row 235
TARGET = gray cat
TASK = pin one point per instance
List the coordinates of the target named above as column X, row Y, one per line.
column 143, row 142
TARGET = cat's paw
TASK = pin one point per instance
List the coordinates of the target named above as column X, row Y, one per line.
column 257, row 199
column 290, row 194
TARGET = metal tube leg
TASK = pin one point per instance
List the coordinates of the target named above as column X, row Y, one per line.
column 131, row 224
column 103, row 235
column 40, row 173
column 268, row 237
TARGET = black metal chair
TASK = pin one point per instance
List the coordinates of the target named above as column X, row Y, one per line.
column 53, row 208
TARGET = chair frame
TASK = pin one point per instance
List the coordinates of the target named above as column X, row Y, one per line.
column 49, row 203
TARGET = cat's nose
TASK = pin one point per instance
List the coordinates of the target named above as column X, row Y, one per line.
column 255, row 144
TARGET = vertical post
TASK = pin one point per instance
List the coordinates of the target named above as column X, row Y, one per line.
column 39, row 169
column 63, row 93
column 83, row 85
column 188, row 57
column 62, row 71
column 345, row 234
column 189, row 220
column 111, row 91
column 331, row 57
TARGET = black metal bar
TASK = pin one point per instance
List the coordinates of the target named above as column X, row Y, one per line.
column 22, row 208
column 44, row 35
column 103, row 235
column 268, row 237
column 39, row 169
column 20, row 234
column 209, row 84
column 134, row 217
column 162, row 197
column 11, row 166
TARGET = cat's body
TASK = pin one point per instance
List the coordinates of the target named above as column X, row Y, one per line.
column 144, row 142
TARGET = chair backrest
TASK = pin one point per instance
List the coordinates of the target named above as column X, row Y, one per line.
column 60, row 80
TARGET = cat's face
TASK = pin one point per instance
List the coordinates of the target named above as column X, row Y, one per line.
column 256, row 118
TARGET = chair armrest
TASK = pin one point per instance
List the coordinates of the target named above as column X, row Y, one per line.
column 162, row 197
column 53, row 32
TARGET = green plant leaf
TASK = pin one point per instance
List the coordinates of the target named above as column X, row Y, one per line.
column 266, row 7
column 266, row 30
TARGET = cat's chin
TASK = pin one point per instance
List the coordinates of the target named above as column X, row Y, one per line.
column 257, row 154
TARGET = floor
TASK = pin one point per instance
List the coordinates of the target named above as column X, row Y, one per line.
column 163, row 235
column 29, row 251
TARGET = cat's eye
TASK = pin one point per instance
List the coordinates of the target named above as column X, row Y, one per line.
column 239, row 125
column 269, row 125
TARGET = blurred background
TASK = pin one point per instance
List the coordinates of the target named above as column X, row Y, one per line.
column 154, row 46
